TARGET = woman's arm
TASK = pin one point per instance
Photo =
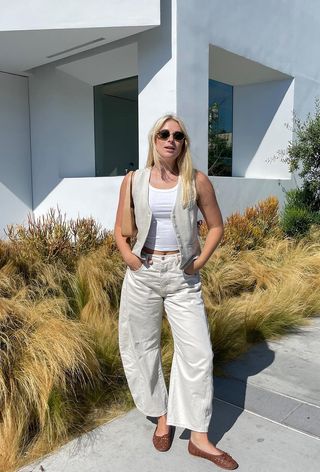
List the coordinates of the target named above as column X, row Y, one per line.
column 123, row 242
column 208, row 206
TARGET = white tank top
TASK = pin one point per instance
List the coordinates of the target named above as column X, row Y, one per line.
column 162, row 236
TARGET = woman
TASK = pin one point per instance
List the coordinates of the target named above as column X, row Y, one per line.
column 163, row 271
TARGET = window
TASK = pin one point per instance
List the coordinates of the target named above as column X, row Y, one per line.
column 116, row 127
column 220, row 129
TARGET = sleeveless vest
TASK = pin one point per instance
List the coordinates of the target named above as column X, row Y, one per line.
column 184, row 220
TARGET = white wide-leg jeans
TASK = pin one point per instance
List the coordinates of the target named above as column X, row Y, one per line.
column 160, row 283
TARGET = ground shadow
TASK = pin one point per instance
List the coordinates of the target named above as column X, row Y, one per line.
column 230, row 390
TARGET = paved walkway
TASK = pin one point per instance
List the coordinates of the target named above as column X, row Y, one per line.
column 266, row 414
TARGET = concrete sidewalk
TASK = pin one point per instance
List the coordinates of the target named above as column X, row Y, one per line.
column 266, row 415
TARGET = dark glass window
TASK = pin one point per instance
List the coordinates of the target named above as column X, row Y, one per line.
column 220, row 128
column 116, row 127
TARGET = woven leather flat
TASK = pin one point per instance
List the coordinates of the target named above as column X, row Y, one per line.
column 224, row 460
column 162, row 443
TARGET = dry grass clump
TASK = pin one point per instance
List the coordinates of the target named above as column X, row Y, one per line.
column 97, row 287
column 250, row 230
column 51, row 237
column 259, row 294
column 47, row 362
column 61, row 372
column 60, row 285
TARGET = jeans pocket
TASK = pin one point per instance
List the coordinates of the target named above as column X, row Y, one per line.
column 190, row 276
column 137, row 270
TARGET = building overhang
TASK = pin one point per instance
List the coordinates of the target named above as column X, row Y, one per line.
column 40, row 31
column 232, row 69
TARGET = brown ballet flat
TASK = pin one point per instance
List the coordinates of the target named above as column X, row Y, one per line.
column 221, row 460
column 162, row 443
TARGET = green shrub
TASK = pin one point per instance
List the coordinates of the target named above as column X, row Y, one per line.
column 298, row 198
column 303, row 156
column 296, row 221
column 302, row 207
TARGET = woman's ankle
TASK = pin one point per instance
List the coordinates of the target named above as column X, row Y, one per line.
column 199, row 436
column 162, row 418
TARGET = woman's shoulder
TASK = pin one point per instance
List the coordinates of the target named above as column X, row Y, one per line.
column 139, row 174
column 201, row 178
column 135, row 174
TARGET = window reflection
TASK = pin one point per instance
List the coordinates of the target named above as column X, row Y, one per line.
column 220, row 129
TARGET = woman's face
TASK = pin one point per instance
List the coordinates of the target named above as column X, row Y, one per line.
column 169, row 149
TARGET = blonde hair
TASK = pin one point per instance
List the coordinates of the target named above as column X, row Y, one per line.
column 184, row 160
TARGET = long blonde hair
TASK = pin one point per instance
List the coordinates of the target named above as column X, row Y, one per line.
column 184, row 160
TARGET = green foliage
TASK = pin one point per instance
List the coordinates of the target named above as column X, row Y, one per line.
column 302, row 208
column 219, row 155
column 219, row 149
column 296, row 221
column 298, row 198
column 303, row 155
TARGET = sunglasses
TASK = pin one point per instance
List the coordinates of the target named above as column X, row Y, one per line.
column 165, row 133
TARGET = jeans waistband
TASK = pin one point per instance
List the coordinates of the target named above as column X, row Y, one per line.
column 161, row 257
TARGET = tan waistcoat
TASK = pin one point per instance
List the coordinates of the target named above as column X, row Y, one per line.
column 184, row 220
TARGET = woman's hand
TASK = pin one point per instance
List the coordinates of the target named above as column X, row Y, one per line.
column 192, row 268
column 133, row 262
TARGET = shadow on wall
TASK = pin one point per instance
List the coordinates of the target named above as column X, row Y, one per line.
column 261, row 113
column 15, row 161
column 157, row 47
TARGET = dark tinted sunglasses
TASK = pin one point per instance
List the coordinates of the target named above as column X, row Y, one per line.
column 165, row 133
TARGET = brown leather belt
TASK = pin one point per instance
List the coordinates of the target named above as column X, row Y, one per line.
column 161, row 253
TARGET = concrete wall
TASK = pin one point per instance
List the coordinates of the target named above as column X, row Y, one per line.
column 15, row 162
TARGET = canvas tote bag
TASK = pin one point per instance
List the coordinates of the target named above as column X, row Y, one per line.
column 128, row 227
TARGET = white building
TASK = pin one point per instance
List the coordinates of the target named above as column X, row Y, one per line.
column 81, row 83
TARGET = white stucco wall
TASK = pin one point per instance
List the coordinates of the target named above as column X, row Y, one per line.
column 62, row 130
column 47, row 14
column 15, row 165
column 157, row 67
column 53, row 159
column 235, row 194
column 172, row 63
column 286, row 42
column 260, row 115
column 84, row 197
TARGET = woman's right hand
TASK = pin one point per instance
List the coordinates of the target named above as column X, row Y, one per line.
column 133, row 262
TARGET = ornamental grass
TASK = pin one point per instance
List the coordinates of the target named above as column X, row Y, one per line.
column 60, row 282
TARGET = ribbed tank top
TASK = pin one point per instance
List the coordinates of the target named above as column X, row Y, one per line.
column 162, row 236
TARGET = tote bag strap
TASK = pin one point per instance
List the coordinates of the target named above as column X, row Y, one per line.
column 128, row 227
column 129, row 198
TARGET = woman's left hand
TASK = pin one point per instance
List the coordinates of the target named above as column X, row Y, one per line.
column 192, row 268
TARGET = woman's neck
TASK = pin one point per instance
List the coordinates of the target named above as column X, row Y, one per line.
column 165, row 173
